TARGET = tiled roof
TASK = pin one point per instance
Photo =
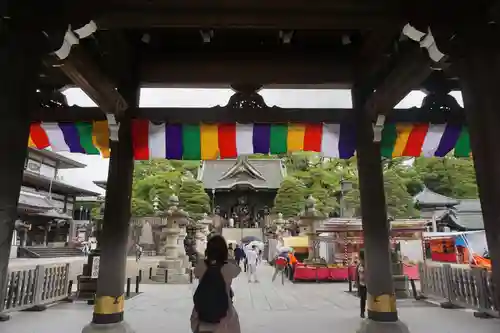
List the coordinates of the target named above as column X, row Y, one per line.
column 267, row 174
column 428, row 198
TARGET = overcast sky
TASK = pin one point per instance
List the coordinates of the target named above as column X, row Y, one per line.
column 97, row 167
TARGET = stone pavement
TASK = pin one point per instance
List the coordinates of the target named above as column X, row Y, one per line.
column 263, row 307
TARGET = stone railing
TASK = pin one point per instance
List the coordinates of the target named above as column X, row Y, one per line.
column 459, row 287
column 35, row 287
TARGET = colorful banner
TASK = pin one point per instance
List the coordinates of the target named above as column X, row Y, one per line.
column 81, row 137
column 213, row 141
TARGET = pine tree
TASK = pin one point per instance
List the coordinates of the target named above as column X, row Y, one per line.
column 193, row 199
column 290, row 198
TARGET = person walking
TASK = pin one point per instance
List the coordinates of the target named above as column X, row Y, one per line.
column 360, row 281
column 239, row 255
column 280, row 265
column 138, row 252
column 213, row 309
column 252, row 260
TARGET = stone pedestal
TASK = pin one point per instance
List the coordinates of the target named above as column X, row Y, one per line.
column 308, row 222
column 173, row 269
column 182, row 249
column 372, row 326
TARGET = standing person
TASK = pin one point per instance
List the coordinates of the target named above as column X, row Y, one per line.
column 213, row 308
column 239, row 254
column 230, row 252
column 360, row 281
column 138, row 252
column 252, row 260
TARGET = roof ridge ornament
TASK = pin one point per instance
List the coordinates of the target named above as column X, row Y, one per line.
column 426, row 40
column 114, row 127
column 378, row 128
column 242, row 165
column 72, row 37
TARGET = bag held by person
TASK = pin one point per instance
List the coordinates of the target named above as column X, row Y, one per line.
column 210, row 299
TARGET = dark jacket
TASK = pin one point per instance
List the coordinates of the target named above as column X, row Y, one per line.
column 239, row 253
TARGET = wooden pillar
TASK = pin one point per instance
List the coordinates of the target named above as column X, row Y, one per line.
column 480, row 81
column 381, row 301
column 109, row 303
column 20, row 60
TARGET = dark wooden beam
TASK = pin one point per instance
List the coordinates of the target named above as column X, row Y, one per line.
column 228, row 115
column 282, row 15
column 84, row 73
column 226, row 66
column 410, row 69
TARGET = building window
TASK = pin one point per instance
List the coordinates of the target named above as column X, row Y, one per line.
column 33, row 166
column 47, row 171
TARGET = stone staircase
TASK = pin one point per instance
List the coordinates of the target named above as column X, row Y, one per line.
column 49, row 252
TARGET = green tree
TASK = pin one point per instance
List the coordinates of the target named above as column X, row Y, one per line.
column 193, row 198
column 141, row 208
column 448, row 176
column 290, row 198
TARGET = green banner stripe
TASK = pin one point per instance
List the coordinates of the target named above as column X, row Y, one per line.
column 462, row 148
column 279, row 134
column 389, row 136
column 85, row 134
column 191, row 142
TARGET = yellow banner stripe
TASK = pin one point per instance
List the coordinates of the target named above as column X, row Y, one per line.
column 403, row 131
column 100, row 137
column 209, row 141
column 295, row 138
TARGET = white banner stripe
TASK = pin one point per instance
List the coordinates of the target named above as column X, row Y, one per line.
column 330, row 140
column 157, row 141
column 244, row 139
column 432, row 139
column 56, row 137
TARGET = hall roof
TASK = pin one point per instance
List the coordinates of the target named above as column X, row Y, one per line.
column 465, row 216
column 430, row 199
column 49, row 157
column 253, row 173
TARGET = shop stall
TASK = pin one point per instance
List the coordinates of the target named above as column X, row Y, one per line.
column 346, row 239
column 466, row 248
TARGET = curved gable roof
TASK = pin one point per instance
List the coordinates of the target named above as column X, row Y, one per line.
column 225, row 174
column 428, row 198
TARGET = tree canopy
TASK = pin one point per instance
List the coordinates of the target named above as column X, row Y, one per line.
column 309, row 174
column 157, row 180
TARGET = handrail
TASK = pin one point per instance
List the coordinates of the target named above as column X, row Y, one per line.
column 460, row 287
column 35, row 286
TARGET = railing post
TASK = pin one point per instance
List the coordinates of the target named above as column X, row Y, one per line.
column 480, row 277
column 39, row 281
column 38, row 290
column 448, row 286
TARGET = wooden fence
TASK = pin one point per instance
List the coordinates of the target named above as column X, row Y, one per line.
column 460, row 287
column 35, row 287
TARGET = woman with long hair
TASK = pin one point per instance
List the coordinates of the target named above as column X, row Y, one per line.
column 216, row 255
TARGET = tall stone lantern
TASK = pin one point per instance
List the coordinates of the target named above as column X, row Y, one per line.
column 173, row 268
column 309, row 221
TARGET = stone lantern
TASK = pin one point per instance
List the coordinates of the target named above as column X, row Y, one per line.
column 309, row 220
column 173, row 268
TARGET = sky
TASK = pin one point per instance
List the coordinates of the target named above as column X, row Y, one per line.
column 97, row 167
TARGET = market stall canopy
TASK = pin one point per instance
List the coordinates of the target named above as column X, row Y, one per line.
column 294, row 242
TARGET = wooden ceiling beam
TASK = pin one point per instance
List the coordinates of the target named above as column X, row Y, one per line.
column 84, row 73
column 244, row 115
column 252, row 67
column 306, row 18
column 410, row 69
